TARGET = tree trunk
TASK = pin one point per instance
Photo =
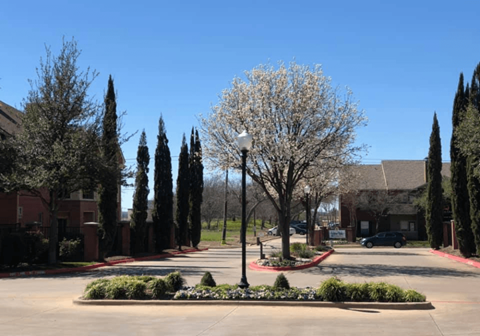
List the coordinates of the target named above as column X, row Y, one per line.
column 53, row 234
column 225, row 208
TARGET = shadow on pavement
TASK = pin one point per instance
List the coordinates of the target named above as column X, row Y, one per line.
column 379, row 270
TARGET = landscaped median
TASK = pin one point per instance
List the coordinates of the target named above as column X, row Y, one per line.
column 98, row 265
column 170, row 290
column 302, row 263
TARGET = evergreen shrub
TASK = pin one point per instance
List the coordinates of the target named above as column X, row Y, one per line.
column 207, row 280
column 281, row 282
column 174, row 281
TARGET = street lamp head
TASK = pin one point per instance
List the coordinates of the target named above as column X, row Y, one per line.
column 244, row 141
column 307, row 189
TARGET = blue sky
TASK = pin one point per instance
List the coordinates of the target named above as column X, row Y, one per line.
column 401, row 59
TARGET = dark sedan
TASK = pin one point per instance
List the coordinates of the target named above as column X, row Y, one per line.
column 395, row 239
column 300, row 228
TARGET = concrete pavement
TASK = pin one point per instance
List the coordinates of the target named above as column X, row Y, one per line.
column 43, row 305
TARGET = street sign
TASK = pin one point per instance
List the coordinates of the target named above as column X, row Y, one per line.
column 337, row 234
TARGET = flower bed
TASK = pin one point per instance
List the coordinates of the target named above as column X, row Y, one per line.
column 171, row 288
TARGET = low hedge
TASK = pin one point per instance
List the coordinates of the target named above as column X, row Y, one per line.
column 171, row 287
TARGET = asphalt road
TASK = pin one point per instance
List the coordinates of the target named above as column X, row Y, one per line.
column 43, row 305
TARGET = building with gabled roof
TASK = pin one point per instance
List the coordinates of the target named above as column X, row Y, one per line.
column 23, row 208
column 382, row 195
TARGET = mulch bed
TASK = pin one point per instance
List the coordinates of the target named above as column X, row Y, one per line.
column 457, row 253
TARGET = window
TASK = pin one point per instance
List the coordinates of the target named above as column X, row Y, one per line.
column 87, row 194
column 403, row 225
column 20, row 212
column 40, row 217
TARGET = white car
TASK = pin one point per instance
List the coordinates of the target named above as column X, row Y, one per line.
column 273, row 231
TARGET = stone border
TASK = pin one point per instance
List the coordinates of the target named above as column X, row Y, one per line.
column 254, row 266
column 459, row 259
column 104, row 264
column 279, row 303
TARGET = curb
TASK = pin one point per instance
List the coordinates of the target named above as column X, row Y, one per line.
column 459, row 259
column 319, row 304
column 90, row 267
column 254, row 266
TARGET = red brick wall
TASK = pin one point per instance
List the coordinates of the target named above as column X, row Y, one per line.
column 8, row 208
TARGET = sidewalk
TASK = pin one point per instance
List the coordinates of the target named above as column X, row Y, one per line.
column 104, row 264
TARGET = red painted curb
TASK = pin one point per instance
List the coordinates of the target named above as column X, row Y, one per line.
column 254, row 266
column 459, row 259
column 89, row 267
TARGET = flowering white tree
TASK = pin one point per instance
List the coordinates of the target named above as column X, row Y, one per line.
column 296, row 119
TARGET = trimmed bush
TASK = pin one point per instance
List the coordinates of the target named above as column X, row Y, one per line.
column 297, row 247
column 394, row 294
column 145, row 278
column 174, row 281
column 71, row 249
column 135, row 289
column 95, row 292
column 332, row 289
column 358, row 292
column 306, row 254
column 322, row 248
column 411, row 295
column 281, row 282
column 378, row 291
column 115, row 290
column 158, row 288
column 207, row 280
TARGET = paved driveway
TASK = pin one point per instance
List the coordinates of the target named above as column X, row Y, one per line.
column 43, row 305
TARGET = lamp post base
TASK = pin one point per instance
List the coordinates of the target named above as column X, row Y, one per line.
column 243, row 283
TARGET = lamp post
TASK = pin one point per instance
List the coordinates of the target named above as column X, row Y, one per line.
column 244, row 141
column 307, row 209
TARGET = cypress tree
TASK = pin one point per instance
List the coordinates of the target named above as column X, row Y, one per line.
column 460, row 197
column 162, row 214
column 183, row 184
column 140, row 198
column 196, row 188
column 434, row 209
column 108, row 192
column 472, row 162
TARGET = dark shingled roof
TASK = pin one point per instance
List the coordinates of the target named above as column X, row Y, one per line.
column 10, row 119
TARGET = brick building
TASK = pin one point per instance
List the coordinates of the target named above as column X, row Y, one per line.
column 24, row 208
column 383, row 198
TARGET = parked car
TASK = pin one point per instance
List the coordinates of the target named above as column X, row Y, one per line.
column 395, row 239
column 333, row 225
column 300, row 228
column 273, row 231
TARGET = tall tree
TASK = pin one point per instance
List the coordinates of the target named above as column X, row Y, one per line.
column 163, row 189
column 473, row 158
column 296, row 119
column 183, row 188
column 108, row 191
column 460, row 197
column 140, row 198
column 57, row 151
column 196, row 188
column 434, row 210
